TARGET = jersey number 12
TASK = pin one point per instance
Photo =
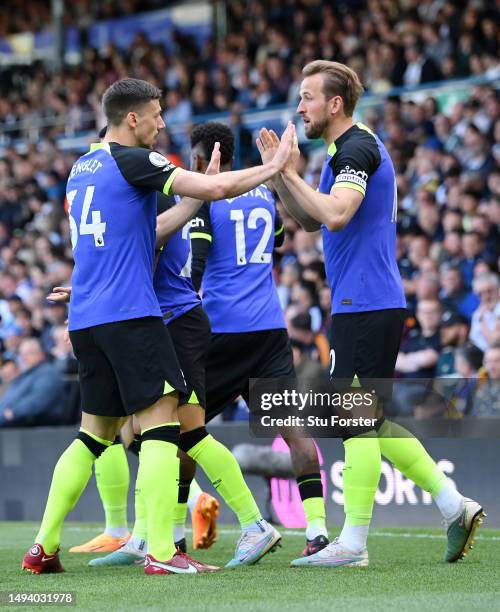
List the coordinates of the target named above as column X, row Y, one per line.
column 96, row 228
column 258, row 256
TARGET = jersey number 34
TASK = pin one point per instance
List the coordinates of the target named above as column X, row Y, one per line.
column 96, row 228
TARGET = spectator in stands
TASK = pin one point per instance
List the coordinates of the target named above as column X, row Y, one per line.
column 9, row 370
column 305, row 366
column 473, row 248
column 460, row 391
column 314, row 345
column 419, row 352
column 35, row 396
column 454, row 297
column 454, row 334
column 62, row 351
column 487, row 400
column 485, row 326
column 468, row 361
column 304, row 300
column 417, row 359
column 419, row 68
column 290, row 276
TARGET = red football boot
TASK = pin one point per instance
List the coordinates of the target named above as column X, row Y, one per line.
column 180, row 563
column 37, row 561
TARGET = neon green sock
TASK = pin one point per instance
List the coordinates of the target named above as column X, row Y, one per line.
column 180, row 514
column 361, row 476
column 71, row 475
column 314, row 509
column 141, row 518
column 113, row 478
column 158, row 472
column 225, row 474
column 408, row 455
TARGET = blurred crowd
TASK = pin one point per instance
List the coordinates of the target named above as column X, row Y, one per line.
column 448, row 180
column 36, row 15
column 258, row 63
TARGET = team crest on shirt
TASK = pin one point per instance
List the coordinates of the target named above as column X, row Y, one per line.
column 349, row 175
column 158, row 160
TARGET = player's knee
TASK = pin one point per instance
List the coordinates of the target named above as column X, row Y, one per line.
column 95, row 445
column 191, row 416
column 189, row 439
column 165, row 433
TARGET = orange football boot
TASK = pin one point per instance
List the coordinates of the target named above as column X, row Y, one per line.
column 102, row 543
column 204, row 521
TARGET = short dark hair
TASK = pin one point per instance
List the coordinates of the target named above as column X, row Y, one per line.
column 207, row 134
column 125, row 96
column 471, row 354
column 338, row 80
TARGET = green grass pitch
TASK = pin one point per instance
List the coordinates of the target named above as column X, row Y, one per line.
column 406, row 572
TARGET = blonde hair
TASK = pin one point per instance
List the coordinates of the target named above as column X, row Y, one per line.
column 339, row 80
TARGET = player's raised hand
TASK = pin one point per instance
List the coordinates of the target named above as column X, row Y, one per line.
column 214, row 165
column 285, row 147
column 292, row 162
column 267, row 144
column 60, row 294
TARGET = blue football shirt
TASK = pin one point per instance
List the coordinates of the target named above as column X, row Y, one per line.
column 172, row 279
column 239, row 293
column 112, row 214
column 360, row 259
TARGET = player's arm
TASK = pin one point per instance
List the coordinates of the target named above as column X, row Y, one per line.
column 151, row 170
column 334, row 210
column 176, row 217
column 352, row 166
column 201, row 241
column 293, row 207
column 231, row 184
column 267, row 143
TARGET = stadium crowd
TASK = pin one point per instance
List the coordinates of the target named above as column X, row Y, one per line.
column 257, row 65
column 448, row 179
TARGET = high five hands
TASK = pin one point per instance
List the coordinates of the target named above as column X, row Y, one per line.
column 268, row 145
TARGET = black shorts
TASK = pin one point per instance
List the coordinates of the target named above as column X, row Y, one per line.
column 235, row 358
column 190, row 334
column 125, row 366
column 366, row 344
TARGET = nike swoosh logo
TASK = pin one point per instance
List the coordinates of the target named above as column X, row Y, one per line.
column 177, row 570
column 47, row 558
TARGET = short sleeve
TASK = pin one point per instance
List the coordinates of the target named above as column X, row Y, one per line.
column 355, row 161
column 144, row 168
column 201, row 241
column 201, row 225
